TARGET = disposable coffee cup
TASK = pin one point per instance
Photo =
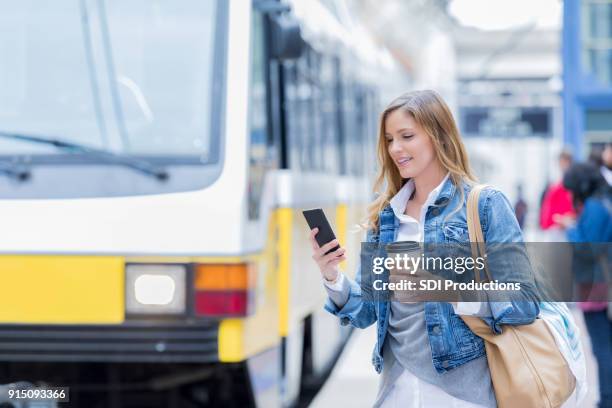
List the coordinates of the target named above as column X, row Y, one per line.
column 402, row 248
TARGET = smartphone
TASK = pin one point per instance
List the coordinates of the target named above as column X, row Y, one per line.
column 316, row 219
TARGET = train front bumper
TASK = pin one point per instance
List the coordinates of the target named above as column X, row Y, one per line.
column 128, row 343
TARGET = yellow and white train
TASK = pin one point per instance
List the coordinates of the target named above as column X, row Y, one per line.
column 154, row 159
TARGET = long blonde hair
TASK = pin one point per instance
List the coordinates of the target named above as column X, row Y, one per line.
column 429, row 110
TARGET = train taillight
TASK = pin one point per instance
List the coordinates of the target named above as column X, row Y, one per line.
column 224, row 289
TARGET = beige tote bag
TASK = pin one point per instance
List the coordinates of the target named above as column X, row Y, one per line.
column 527, row 368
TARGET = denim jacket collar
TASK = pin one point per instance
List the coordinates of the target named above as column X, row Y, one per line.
column 447, row 192
column 444, row 197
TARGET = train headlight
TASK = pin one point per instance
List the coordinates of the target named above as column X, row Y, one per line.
column 155, row 289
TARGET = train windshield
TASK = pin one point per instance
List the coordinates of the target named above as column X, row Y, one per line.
column 138, row 77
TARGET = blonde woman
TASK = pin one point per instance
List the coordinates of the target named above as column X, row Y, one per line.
column 427, row 355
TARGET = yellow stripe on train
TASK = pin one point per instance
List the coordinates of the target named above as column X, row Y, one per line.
column 61, row 289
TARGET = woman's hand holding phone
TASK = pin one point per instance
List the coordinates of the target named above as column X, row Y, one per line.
column 328, row 264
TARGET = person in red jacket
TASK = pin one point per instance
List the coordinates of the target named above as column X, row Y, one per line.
column 557, row 200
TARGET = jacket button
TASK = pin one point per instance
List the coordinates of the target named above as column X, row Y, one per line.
column 344, row 321
column 436, row 330
column 445, row 364
column 435, row 211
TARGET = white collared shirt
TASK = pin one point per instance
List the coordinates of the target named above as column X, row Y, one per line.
column 409, row 228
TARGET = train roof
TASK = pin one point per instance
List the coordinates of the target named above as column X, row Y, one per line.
column 327, row 35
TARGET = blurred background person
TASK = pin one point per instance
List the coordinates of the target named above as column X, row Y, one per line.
column 557, row 199
column 592, row 198
column 520, row 207
column 596, row 156
column 606, row 165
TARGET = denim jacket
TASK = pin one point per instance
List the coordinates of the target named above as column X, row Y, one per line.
column 452, row 342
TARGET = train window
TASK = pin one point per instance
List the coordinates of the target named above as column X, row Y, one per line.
column 338, row 117
column 311, row 111
column 351, row 128
column 44, row 76
column 289, row 109
column 299, row 111
column 163, row 54
column 261, row 154
column 134, row 78
column 304, row 115
column 360, row 132
column 371, row 137
column 316, row 125
column 329, row 112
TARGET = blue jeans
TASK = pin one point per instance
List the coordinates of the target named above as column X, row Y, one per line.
column 600, row 332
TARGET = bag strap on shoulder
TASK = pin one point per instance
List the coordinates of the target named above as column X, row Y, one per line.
column 477, row 241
